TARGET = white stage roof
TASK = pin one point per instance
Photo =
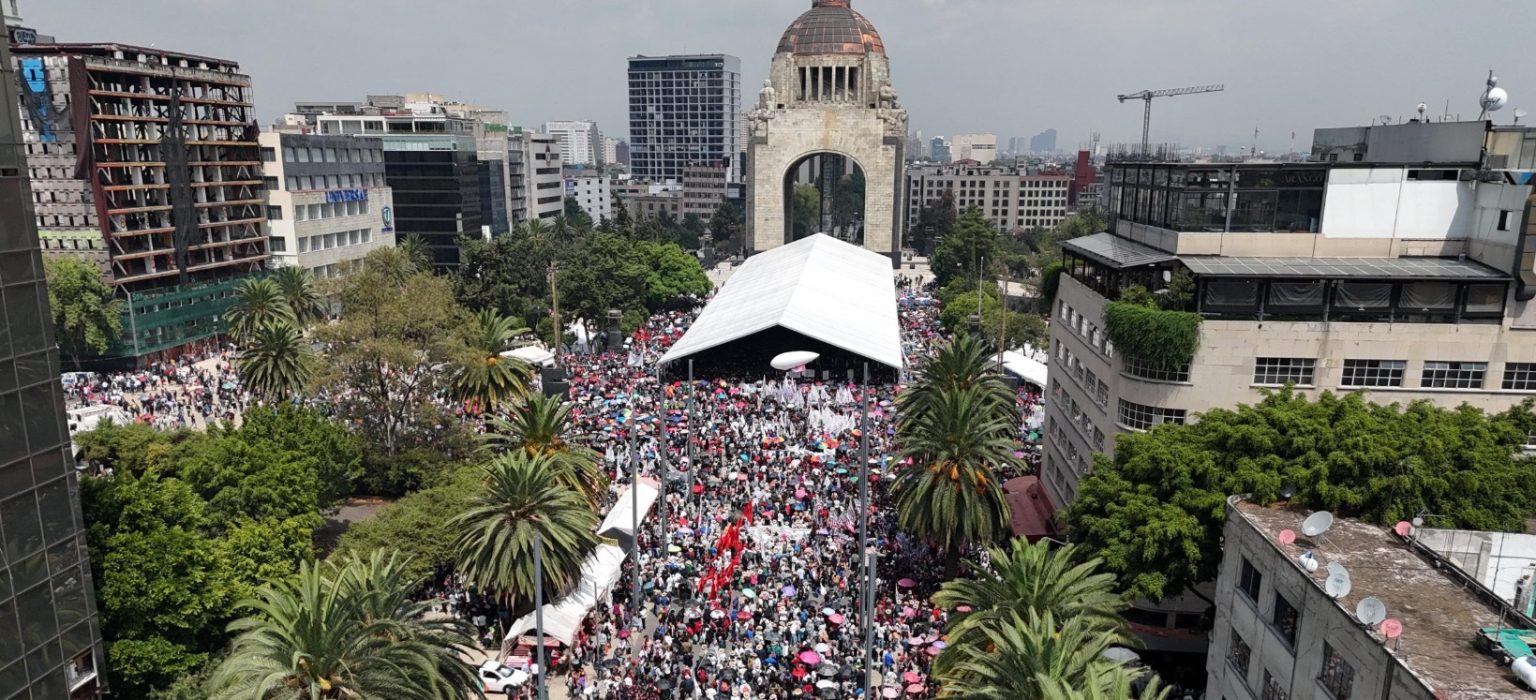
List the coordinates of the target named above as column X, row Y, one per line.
column 820, row 287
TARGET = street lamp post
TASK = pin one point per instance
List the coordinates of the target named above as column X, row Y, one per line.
column 869, row 571
column 538, row 607
column 637, row 609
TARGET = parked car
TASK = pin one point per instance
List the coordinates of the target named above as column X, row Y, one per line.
column 497, row 678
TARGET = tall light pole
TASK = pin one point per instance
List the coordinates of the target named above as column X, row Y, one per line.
column 867, row 614
column 638, row 612
column 538, row 607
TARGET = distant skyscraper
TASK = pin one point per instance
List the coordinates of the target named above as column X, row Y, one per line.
column 610, row 150
column 48, row 626
column 938, row 150
column 1044, row 142
column 684, row 109
column 581, row 143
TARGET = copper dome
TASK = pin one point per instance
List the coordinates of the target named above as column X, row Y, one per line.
column 831, row 27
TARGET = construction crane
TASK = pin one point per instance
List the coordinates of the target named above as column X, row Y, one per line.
column 1147, row 95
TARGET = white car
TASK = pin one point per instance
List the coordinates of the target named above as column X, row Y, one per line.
column 498, row 678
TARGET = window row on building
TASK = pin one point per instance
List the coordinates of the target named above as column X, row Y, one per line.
column 325, row 155
column 1423, row 301
column 325, row 241
column 330, row 182
column 1368, row 373
column 1336, row 676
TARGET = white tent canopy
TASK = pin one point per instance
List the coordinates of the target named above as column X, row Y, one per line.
column 599, row 573
column 534, row 355
column 820, row 287
column 1025, row 367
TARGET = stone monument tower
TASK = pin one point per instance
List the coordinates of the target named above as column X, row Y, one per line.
column 828, row 98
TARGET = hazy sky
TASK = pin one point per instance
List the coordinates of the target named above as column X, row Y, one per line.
column 1013, row 67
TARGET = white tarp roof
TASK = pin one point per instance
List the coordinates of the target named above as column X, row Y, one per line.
column 599, row 572
column 1025, row 367
column 819, row 286
column 533, row 355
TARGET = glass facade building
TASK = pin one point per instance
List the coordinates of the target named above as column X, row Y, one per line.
column 49, row 633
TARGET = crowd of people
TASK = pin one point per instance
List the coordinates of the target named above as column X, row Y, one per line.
column 752, row 582
column 190, row 391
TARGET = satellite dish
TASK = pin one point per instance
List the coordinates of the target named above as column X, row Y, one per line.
column 1287, row 536
column 1403, row 528
column 1371, row 611
column 1386, row 119
column 1288, row 491
column 1337, row 585
column 1391, row 629
column 785, row 362
column 1337, row 569
column 1418, row 521
column 1317, row 523
column 1495, row 99
column 1520, row 114
column 1422, row 109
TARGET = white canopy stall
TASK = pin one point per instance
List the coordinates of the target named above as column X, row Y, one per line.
column 599, row 573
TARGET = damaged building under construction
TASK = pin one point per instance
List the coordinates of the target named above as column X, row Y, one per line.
column 146, row 162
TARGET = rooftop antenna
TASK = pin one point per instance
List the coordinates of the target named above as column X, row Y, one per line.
column 1422, row 109
column 1385, row 119
column 1494, row 97
column 1520, row 114
column 1371, row 611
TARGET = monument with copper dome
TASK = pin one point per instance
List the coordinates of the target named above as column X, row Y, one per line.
column 828, row 104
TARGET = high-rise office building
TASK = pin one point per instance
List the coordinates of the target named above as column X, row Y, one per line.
column 538, row 179
column 938, row 150
column 1043, row 142
column 146, row 161
column 610, row 150
column 1011, row 199
column 50, row 639
column 684, row 109
column 581, row 143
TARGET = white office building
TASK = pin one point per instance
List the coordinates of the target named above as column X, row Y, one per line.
column 327, row 202
column 981, row 148
column 591, row 192
column 581, row 143
column 535, row 175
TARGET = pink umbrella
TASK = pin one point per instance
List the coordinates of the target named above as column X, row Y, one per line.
column 800, row 493
column 915, row 641
column 906, row 583
column 810, row 657
column 908, row 612
column 890, row 693
column 835, row 619
column 934, row 651
column 963, row 608
column 911, row 677
column 915, row 688
column 743, row 615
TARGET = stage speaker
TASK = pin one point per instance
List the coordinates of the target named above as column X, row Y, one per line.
column 554, row 381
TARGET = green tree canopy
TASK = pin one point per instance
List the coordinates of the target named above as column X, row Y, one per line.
column 87, row 318
column 673, row 275
column 1154, row 513
column 970, row 252
column 806, row 217
column 575, row 216
column 727, row 225
column 934, row 222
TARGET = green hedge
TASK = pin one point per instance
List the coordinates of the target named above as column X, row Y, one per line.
column 1165, row 338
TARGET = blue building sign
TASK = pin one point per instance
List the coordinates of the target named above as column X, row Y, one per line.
column 389, row 219
column 346, row 196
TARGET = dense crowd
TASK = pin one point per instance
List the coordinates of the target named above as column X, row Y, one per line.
column 190, row 391
column 751, row 583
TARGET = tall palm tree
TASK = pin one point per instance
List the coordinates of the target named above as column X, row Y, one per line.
column 1024, row 579
column 1033, row 656
column 258, row 302
column 962, row 363
column 416, row 250
column 542, row 425
column 950, row 493
column 344, row 631
column 275, row 362
column 482, row 375
column 523, row 495
column 298, row 289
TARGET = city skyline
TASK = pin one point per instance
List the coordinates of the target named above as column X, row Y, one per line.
column 1276, row 82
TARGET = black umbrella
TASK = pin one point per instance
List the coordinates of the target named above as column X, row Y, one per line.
column 846, row 674
column 727, row 674
column 828, row 692
column 664, row 684
column 828, row 670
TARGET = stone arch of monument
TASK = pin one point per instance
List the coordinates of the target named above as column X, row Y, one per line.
column 826, row 170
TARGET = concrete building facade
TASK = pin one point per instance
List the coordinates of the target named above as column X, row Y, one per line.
column 981, row 148
column 50, row 635
column 829, row 94
column 1012, row 200
column 329, row 204
column 705, row 185
column 592, row 193
column 1405, row 281
column 684, row 109
column 537, row 176
column 581, row 143
column 146, row 160
column 1043, row 142
column 1279, row 633
column 611, row 151
column 938, row 150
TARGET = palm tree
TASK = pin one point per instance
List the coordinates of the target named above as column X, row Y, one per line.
column 481, row 374
column 950, row 493
column 1025, row 579
column 275, row 362
column 298, row 289
column 1034, row 656
column 524, row 495
column 961, row 363
column 258, row 302
column 344, row 631
column 415, row 249
column 542, row 425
